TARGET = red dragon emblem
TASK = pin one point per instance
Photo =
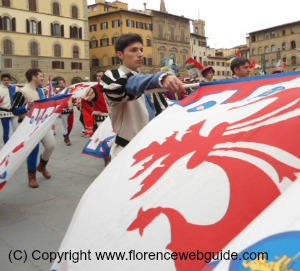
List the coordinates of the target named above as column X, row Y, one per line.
column 257, row 152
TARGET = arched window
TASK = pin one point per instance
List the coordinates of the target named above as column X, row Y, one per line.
column 7, row 47
column 5, row 3
column 56, row 30
column 254, row 53
column 273, row 48
column 33, row 27
column 7, row 23
column 267, row 64
column 57, row 50
column 293, row 44
column 273, row 62
column 266, row 49
column 32, row 5
column 284, row 46
column 74, row 12
column 34, row 49
column 55, row 9
column 75, row 51
column 294, row 60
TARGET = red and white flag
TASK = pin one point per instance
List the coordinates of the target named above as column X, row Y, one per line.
column 193, row 179
column 29, row 133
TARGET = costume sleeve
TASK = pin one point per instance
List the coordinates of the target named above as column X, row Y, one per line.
column 19, row 103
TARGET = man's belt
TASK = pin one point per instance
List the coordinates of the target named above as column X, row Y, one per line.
column 4, row 113
column 66, row 111
column 99, row 118
column 121, row 141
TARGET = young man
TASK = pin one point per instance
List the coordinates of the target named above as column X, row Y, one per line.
column 23, row 102
column 240, row 67
column 129, row 109
column 67, row 114
column 208, row 73
column 7, row 92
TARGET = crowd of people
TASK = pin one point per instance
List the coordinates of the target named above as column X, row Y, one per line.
column 118, row 93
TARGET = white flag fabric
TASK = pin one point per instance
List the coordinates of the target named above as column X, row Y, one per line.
column 32, row 129
column 191, row 180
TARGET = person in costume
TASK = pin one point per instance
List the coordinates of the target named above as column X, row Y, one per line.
column 7, row 92
column 23, row 102
column 208, row 74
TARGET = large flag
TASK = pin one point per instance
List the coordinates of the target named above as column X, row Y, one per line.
column 32, row 129
column 191, row 180
column 100, row 143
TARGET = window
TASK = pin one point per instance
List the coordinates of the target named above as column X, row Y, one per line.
column 139, row 25
column 149, row 43
column 148, row 26
column 183, row 36
column 273, row 34
column 32, row 5
column 75, row 32
column 113, row 40
column 32, row 27
column 284, row 46
column 196, row 30
column 34, row 49
column 57, row 50
column 172, row 33
column 5, row 3
column 267, row 36
column 34, row 64
column 129, row 23
column 253, row 38
column 7, row 63
column 76, row 66
column 106, row 8
column 7, row 24
column 58, row 65
column 273, row 48
column 294, row 60
column 75, row 51
column 267, row 64
column 273, row 62
column 116, row 23
column 266, row 49
column 56, row 30
column 95, row 62
column 284, row 60
column 94, row 43
column 104, row 25
column 283, row 32
column 115, row 60
column 293, row 44
column 7, row 47
column 293, row 30
column 55, row 9
column 148, row 61
column 93, row 27
column 74, row 12
column 161, row 31
column 254, row 52
column 104, row 42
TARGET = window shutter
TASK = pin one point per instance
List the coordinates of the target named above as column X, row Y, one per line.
column 27, row 26
column 62, row 65
column 52, row 30
column 80, row 32
column 1, row 23
column 13, row 24
column 62, row 30
column 40, row 27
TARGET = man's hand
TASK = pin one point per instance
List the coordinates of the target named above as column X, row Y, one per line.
column 172, row 83
column 30, row 105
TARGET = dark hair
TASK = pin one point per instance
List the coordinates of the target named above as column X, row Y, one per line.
column 5, row 75
column 99, row 70
column 61, row 79
column 237, row 62
column 125, row 40
column 32, row 72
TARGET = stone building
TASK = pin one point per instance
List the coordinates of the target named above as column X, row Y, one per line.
column 50, row 35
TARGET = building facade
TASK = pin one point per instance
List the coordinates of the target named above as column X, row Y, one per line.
column 107, row 21
column 268, row 46
column 50, row 35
